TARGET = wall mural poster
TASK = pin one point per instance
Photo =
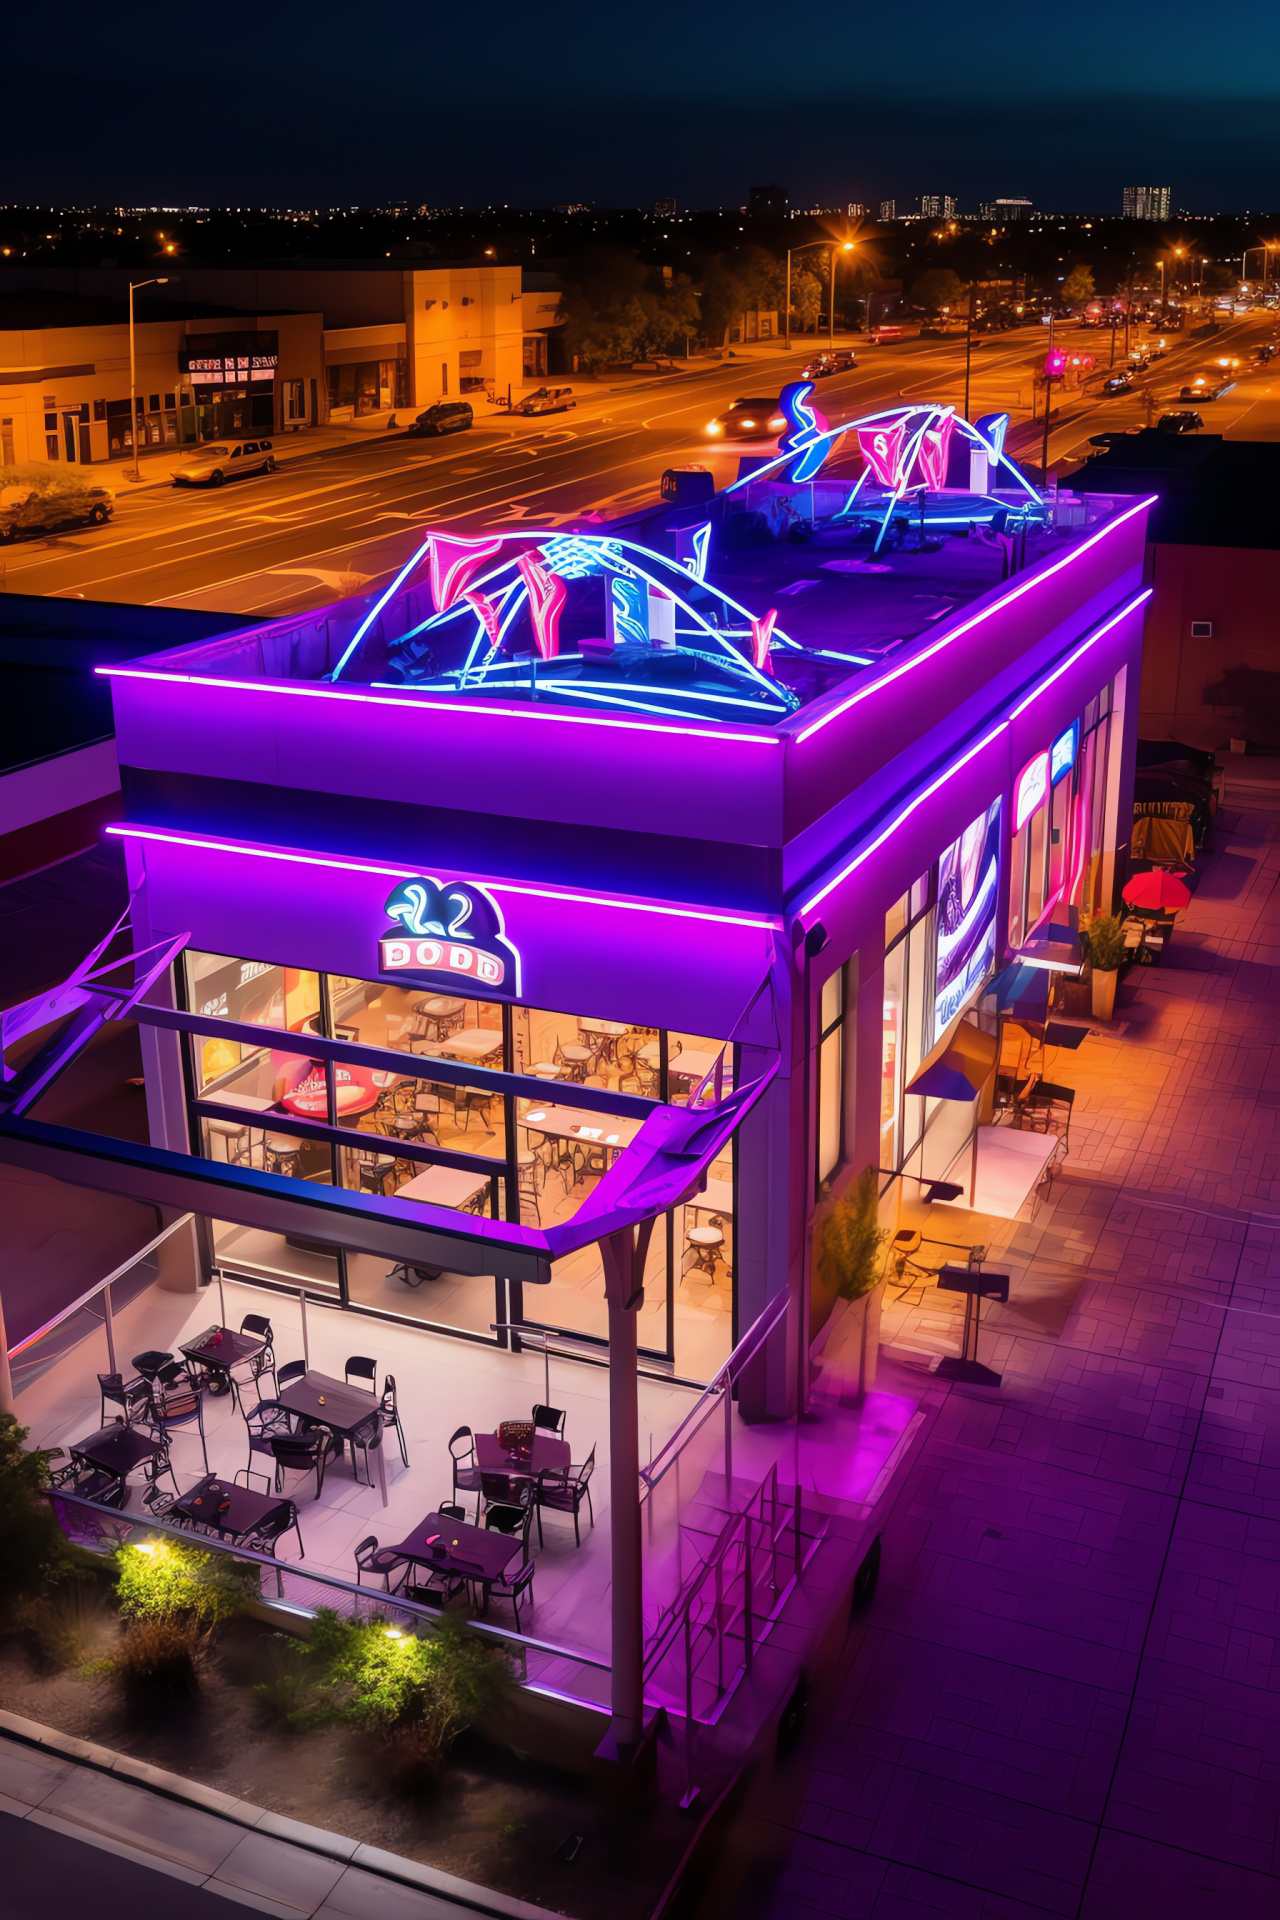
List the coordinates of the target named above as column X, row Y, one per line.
column 968, row 893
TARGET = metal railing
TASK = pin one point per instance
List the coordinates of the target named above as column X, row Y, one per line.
column 75, row 1322
column 717, row 1394
column 301, row 1590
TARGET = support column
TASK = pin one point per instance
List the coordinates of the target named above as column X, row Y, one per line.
column 6, row 1377
column 624, row 1255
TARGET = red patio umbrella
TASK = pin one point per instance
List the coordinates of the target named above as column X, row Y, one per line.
column 1159, row 890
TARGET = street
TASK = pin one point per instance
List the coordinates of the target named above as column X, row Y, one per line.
column 336, row 522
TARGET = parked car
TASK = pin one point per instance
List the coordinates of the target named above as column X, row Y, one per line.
column 1187, row 421
column 228, row 460
column 1118, row 383
column 546, row 400
column 33, row 501
column 450, row 416
column 748, row 419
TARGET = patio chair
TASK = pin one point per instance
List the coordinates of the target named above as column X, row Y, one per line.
column 366, row 1436
column 450, row 1512
column 371, row 1558
column 291, row 1370
column 361, row 1369
column 112, row 1387
column 305, row 1452
column 275, row 1525
column 516, row 1589
column 90, row 1483
column 549, row 1420
column 467, row 1477
column 267, row 1422
column 565, row 1492
column 264, row 1362
column 173, row 1407
column 391, row 1413
column 149, row 1363
column 503, row 1517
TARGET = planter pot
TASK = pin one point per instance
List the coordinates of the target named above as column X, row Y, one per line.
column 1104, row 992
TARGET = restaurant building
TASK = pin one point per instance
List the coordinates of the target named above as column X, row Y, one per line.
column 473, row 876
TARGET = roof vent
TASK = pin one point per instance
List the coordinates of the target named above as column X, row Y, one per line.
column 1203, row 629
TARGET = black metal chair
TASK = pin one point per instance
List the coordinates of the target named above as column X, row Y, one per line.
column 129, row 1396
column 516, row 1589
column 90, row 1483
column 291, row 1370
column 264, row 1362
column 268, row 1422
column 512, row 1519
column 565, row 1493
column 305, row 1452
column 366, row 1437
column 173, row 1407
column 449, row 1512
column 149, row 1363
column 359, row 1368
column 467, row 1477
column 391, row 1414
column 371, row 1558
column 549, row 1420
column 274, row 1527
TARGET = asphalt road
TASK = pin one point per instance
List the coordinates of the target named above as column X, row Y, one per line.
column 340, row 521
column 49, row 1876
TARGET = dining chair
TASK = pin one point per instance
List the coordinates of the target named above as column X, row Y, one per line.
column 564, row 1492
column 549, row 1420
column 260, row 1327
column 449, row 1512
column 173, row 1407
column 272, row 1527
column 291, row 1370
column 467, row 1477
column 305, row 1452
column 360, row 1368
column 371, row 1558
column 266, row 1423
column 129, row 1396
column 517, row 1588
column 149, row 1363
column 391, row 1413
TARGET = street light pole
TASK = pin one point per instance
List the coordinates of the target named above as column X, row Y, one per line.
column 1048, row 397
column 136, row 286
column 787, row 308
column 968, row 349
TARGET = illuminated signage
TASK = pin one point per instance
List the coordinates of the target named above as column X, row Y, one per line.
column 968, row 893
column 1062, row 754
column 1031, row 788
column 231, row 369
column 806, row 434
column 448, row 933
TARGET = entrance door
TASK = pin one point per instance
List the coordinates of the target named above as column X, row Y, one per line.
column 70, row 421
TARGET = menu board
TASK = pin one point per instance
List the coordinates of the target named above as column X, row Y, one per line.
column 968, row 894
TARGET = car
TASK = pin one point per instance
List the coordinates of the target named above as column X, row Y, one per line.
column 838, row 360
column 1111, row 439
column 36, row 502
column 227, row 460
column 1118, row 383
column 749, row 418
column 449, row 416
column 1202, row 389
column 1187, row 421
column 546, row 400
column 879, row 335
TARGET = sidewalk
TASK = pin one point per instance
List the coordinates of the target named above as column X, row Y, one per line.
column 1065, row 1696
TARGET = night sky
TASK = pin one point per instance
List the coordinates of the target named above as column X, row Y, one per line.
column 323, row 104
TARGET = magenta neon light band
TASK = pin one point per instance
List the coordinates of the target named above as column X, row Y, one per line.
column 918, row 800
column 762, row 924
column 967, row 626
column 444, row 706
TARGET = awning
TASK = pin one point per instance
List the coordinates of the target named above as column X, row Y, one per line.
column 958, row 1065
column 1052, row 950
column 1022, row 991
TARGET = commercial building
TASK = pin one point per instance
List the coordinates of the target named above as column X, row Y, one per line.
column 1146, row 203
column 937, row 206
column 224, row 351
column 1003, row 211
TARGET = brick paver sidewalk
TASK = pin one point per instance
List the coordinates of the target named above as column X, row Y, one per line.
column 1065, row 1696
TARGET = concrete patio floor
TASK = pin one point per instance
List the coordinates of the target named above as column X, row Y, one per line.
column 1065, row 1696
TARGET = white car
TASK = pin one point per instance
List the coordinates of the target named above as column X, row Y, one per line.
column 227, row 460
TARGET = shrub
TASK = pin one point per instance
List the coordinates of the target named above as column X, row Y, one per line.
column 35, row 1554
column 162, row 1654
column 850, row 1238
column 1106, row 943
column 171, row 1597
column 71, row 1625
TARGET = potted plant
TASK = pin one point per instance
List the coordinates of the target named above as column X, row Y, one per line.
column 1107, row 952
column 848, row 1239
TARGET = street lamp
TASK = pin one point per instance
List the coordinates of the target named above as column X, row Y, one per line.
column 843, row 246
column 135, row 286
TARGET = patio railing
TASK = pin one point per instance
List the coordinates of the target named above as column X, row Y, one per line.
column 288, row 1588
column 93, row 1310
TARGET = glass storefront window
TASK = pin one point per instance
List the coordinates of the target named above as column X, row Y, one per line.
column 830, row 1101
column 891, row 1052
column 251, row 991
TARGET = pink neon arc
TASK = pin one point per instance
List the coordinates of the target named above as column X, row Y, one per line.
column 975, row 620
column 935, row 449
column 291, row 857
column 761, row 636
column 881, row 449
column 453, row 563
column 489, row 615
column 547, row 593
column 956, row 766
column 447, row 704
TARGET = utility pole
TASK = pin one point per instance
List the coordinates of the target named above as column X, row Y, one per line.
column 968, row 350
column 1048, row 398
column 136, row 287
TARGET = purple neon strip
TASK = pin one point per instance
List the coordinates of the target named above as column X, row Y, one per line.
column 769, row 924
column 918, row 800
column 448, row 705
column 975, row 620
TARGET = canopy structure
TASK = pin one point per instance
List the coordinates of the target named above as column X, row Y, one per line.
column 958, row 1065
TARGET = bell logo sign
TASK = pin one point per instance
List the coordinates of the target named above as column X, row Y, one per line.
column 1030, row 790
column 433, row 956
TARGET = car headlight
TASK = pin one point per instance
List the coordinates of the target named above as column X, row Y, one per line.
column 713, row 426
column 746, row 423
column 777, row 421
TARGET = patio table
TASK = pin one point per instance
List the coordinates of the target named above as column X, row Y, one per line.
column 446, row 1187
column 330, row 1403
column 116, row 1449
column 218, row 1349
column 474, row 1553
column 548, row 1452
column 470, row 1043
column 230, row 1511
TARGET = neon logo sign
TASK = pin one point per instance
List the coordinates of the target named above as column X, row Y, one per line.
column 807, row 435
column 453, row 563
column 450, row 934
column 1062, row 754
column 1033, row 784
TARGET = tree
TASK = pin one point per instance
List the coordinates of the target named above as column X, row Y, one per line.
column 806, row 298
column 746, row 280
column 936, row 288
column 849, row 1239
column 1219, row 279
column 619, row 309
column 1078, row 288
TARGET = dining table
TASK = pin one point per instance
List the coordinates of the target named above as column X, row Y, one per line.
column 116, row 1449
column 221, row 1507
column 445, row 1187
column 548, row 1454
column 716, row 1197
column 468, row 1043
column 574, row 1123
column 327, row 1402
column 218, row 1349
column 449, row 1546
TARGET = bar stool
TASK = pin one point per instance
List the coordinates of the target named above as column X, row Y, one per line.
column 282, row 1152
column 228, row 1131
column 578, row 1060
column 705, row 1244
column 374, row 1168
column 528, row 1167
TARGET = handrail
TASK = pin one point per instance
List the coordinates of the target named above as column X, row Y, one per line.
column 156, row 1524
column 99, row 1286
column 713, row 1392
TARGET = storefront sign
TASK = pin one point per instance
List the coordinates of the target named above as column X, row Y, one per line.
column 1062, row 754
column 450, row 933
column 1029, row 790
column 968, row 893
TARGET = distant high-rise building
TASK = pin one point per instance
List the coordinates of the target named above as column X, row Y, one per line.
column 664, row 209
column 937, row 206
column 1005, row 210
column 769, row 203
column 855, row 210
column 1146, row 203
column 888, row 209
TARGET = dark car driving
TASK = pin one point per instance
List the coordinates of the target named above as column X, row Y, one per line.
column 748, row 419
column 1186, row 421
column 449, row 416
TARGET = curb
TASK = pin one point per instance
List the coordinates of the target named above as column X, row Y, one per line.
column 314, row 1844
